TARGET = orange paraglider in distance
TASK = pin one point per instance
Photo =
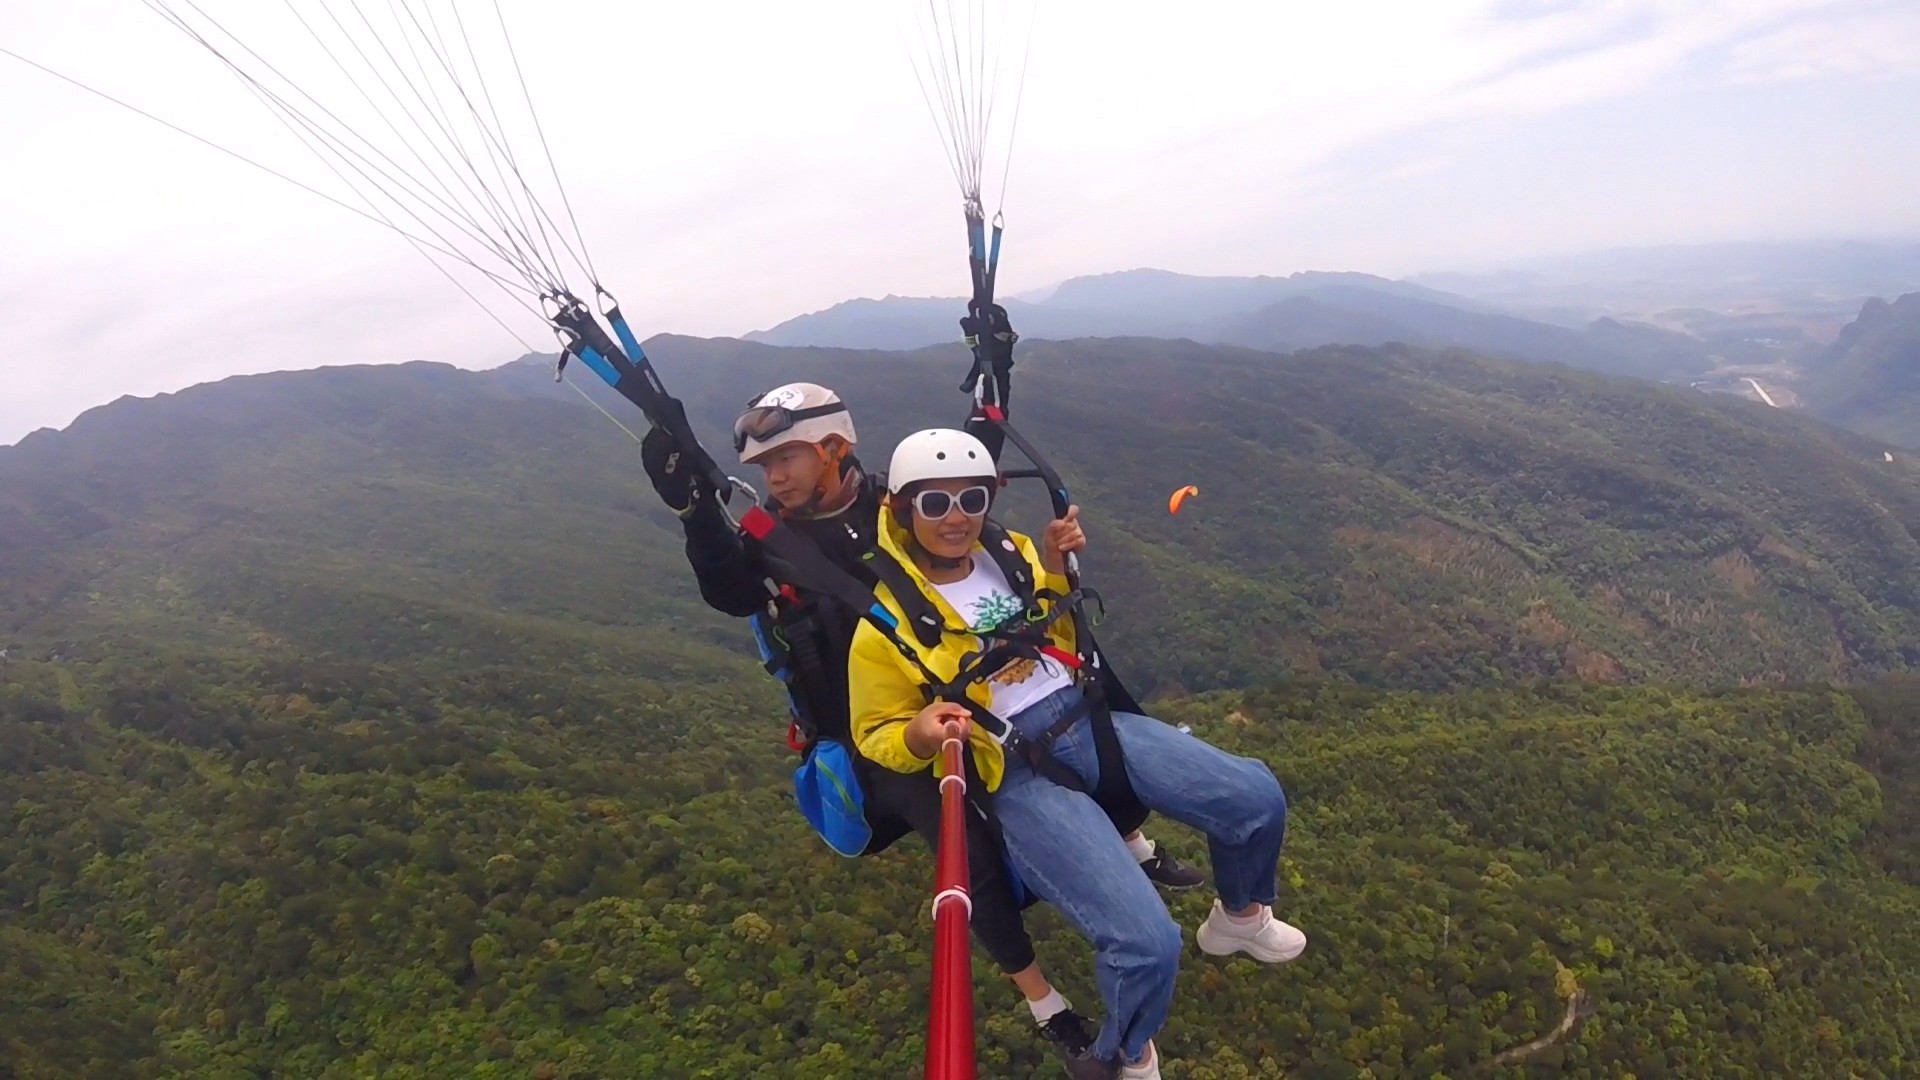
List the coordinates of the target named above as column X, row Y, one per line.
column 1173, row 504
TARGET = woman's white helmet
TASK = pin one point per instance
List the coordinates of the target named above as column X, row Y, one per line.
column 938, row 454
column 801, row 412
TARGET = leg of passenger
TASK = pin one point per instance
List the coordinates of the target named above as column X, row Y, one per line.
column 996, row 923
column 1055, row 1016
column 1236, row 801
column 1066, row 850
column 1239, row 804
column 1161, row 867
column 1031, row 982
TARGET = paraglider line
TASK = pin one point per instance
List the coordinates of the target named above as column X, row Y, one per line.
column 449, row 199
column 1019, row 95
column 443, row 117
column 498, row 139
column 333, row 141
column 548, row 150
column 270, row 171
column 490, row 142
column 289, row 115
column 437, row 111
column 603, row 409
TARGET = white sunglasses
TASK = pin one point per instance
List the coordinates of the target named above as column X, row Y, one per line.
column 934, row 504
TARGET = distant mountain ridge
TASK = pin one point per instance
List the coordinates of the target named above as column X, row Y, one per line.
column 1815, row 284
column 1869, row 378
column 1299, row 311
column 1830, row 266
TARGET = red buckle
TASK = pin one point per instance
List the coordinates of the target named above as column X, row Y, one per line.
column 793, row 738
column 993, row 413
column 1063, row 656
column 790, row 594
column 758, row 523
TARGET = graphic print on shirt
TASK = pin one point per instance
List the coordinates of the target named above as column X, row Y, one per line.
column 986, row 601
column 988, row 613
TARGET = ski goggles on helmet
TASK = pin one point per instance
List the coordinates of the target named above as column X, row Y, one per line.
column 934, row 504
column 763, row 422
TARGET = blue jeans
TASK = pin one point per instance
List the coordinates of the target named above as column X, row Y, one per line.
column 1066, row 849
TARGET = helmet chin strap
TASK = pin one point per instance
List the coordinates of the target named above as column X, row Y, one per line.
column 840, row 466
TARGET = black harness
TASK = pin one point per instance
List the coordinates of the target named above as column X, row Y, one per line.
column 1023, row 637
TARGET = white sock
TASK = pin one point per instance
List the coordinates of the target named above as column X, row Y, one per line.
column 1047, row 1007
column 1143, row 1064
column 1141, row 847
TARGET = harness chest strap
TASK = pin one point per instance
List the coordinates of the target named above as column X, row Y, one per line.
column 1015, row 639
column 815, row 571
column 1020, row 644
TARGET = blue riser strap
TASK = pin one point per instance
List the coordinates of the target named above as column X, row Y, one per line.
column 627, row 340
column 598, row 363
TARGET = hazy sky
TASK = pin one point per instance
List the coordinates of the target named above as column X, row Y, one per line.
column 734, row 164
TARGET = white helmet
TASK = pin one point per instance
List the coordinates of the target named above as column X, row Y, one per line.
column 797, row 412
column 938, row 454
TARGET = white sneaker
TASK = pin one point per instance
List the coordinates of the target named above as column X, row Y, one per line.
column 1267, row 940
column 1147, row 1070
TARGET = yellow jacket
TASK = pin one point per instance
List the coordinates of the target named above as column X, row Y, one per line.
column 885, row 690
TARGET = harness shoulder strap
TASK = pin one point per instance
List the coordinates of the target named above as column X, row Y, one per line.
column 925, row 619
column 811, row 567
column 1012, row 565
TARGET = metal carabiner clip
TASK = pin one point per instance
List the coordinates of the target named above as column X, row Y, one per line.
column 743, row 488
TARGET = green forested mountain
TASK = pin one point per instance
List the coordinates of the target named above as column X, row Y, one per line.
column 1869, row 379
column 239, row 868
column 364, row 722
column 1396, row 518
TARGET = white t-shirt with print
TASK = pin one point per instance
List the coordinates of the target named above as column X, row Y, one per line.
column 985, row 600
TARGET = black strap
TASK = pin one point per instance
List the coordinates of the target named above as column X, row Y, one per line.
column 810, row 566
column 1065, row 723
column 1115, row 792
column 1013, row 565
column 1057, row 494
column 990, row 334
column 922, row 617
column 809, row 671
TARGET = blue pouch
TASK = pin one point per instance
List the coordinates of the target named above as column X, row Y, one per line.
column 831, row 800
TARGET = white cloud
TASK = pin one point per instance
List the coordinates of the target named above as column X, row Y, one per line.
column 1874, row 41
